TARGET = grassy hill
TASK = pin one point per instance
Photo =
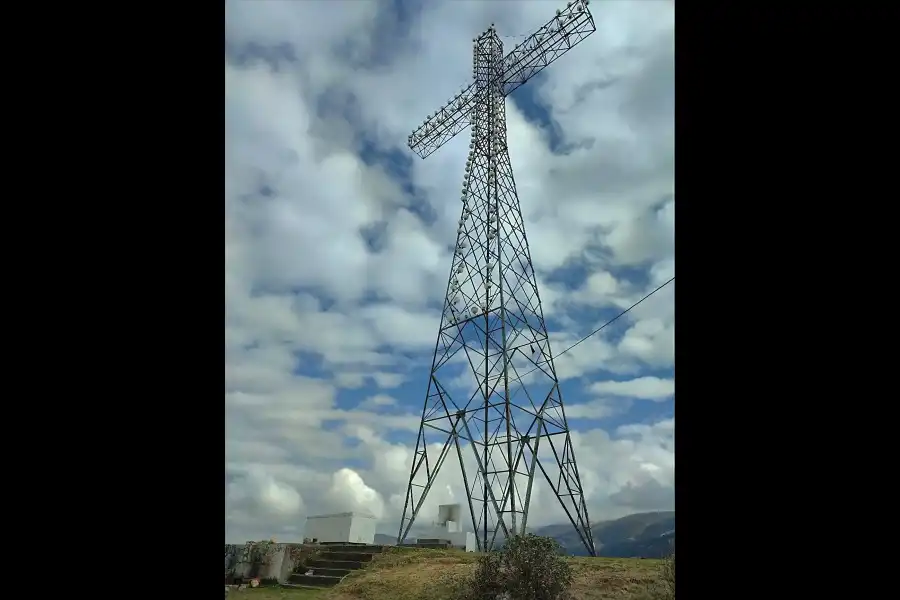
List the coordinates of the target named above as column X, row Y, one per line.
column 412, row 574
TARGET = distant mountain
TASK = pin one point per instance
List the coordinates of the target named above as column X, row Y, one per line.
column 647, row 535
column 654, row 547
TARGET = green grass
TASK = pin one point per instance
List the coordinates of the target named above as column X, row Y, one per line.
column 414, row 574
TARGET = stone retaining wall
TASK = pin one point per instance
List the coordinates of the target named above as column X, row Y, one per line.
column 279, row 566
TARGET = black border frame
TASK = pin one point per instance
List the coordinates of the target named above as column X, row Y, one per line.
column 762, row 116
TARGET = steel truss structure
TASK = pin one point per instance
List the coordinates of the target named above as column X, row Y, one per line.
column 492, row 342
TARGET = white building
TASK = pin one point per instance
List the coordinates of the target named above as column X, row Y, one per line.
column 352, row 527
column 449, row 527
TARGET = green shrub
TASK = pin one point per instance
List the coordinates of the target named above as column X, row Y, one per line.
column 528, row 567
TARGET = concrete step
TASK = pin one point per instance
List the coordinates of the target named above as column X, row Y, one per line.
column 314, row 580
column 318, row 563
column 362, row 557
column 324, row 571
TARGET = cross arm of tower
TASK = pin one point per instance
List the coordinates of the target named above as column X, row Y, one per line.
column 554, row 38
column 557, row 36
column 442, row 125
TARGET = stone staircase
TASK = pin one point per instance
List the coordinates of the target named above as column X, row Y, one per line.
column 331, row 564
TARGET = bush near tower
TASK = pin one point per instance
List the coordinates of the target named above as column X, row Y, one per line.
column 527, row 567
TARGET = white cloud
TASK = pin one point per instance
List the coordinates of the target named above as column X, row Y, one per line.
column 348, row 492
column 600, row 408
column 647, row 388
column 257, row 492
column 378, row 400
column 337, row 252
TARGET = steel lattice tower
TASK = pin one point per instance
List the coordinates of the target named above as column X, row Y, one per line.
column 493, row 324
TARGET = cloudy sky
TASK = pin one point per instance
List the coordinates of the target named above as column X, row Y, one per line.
column 339, row 242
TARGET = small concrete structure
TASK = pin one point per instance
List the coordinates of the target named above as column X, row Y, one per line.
column 449, row 516
column 347, row 527
column 449, row 527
